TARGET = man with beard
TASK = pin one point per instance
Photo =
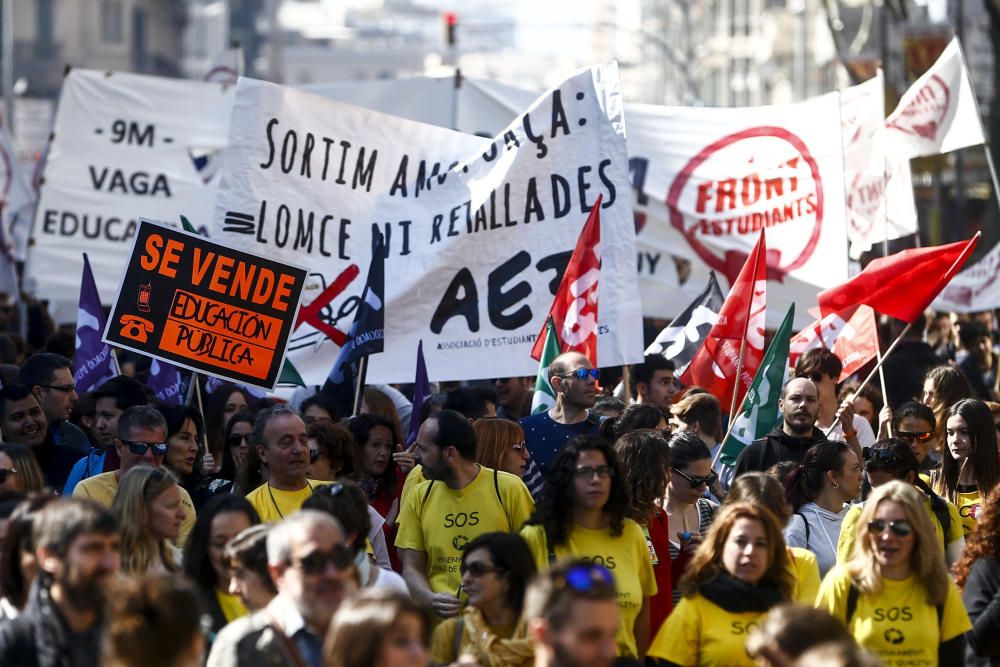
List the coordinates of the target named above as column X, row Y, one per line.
column 314, row 572
column 573, row 617
column 76, row 547
column 23, row 421
column 459, row 501
column 799, row 406
column 515, row 396
column 279, row 435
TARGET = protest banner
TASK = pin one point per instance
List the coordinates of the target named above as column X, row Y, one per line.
column 478, row 231
column 123, row 146
column 974, row 289
column 206, row 307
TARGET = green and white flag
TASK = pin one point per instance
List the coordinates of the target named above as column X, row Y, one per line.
column 760, row 409
column 545, row 396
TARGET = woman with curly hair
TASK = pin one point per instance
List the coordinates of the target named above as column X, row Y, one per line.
column 583, row 513
column 644, row 456
column 739, row 573
column 978, row 577
column 895, row 595
column 970, row 466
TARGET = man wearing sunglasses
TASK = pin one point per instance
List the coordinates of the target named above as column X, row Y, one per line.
column 574, row 380
column 142, row 435
column 789, row 440
column 313, row 569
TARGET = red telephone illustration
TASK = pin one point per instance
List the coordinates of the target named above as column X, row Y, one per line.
column 135, row 327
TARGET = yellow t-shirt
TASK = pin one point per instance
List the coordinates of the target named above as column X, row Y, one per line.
column 849, row 528
column 969, row 504
column 897, row 624
column 102, row 489
column 415, row 476
column 805, row 567
column 699, row 632
column 625, row 556
column 442, row 522
column 274, row 504
column 231, row 605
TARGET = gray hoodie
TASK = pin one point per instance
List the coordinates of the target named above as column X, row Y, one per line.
column 821, row 534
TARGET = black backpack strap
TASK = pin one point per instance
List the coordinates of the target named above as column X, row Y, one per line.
column 940, row 509
column 427, row 494
column 806, row 524
column 852, row 603
column 496, row 487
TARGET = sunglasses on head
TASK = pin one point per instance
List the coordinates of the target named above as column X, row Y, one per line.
column 140, row 448
column 582, row 373
column 707, row 480
column 884, row 456
column 340, row 556
column 5, row 472
column 900, row 528
column 235, row 439
column 478, row 569
column 585, row 578
column 332, row 490
column 915, row 436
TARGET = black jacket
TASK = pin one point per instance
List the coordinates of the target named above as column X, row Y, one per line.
column 39, row 637
column 773, row 448
column 982, row 600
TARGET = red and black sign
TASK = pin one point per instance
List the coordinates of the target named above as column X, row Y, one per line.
column 206, row 307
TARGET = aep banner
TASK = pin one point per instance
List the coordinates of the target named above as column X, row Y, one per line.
column 478, row 231
column 124, row 146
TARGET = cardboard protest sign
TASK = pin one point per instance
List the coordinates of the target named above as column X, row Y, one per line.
column 123, row 146
column 478, row 231
column 200, row 305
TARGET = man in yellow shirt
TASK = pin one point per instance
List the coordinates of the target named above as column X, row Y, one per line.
column 142, row 435
column 459, row 501
column 279, row 435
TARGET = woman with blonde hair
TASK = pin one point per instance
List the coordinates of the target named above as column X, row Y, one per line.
column 378, row 628
column 738, row 574
column 895, row 595
column 148, row 508
column 500, row 445
column 19, row 469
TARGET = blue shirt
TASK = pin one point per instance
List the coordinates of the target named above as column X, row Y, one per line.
column 90, row 465
column 545, row 436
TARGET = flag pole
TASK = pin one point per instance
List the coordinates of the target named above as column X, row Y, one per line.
column 729, row 430
column 189, row 399
column 359, row 389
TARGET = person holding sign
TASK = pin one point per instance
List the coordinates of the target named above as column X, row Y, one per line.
column 279, row 435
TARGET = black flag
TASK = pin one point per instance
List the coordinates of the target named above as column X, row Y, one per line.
column 680, row 340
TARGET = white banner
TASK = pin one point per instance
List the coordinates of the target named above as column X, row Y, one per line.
column 938, row 113
column 975, row 288
column 478, row 230
column 879, row 192
column 125, row 146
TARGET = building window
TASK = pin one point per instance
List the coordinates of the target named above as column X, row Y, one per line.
column 111, row 21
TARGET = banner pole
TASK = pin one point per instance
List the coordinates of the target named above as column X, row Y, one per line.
column 359, row 389
column 114, row 360
column 993, row 173
column 189, row 399
column 729, row 431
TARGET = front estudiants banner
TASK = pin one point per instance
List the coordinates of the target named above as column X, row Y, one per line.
column 201, row 305
column 124, row 146
column 478, row 231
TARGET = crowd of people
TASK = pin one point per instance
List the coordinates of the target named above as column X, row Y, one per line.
column 863, row 529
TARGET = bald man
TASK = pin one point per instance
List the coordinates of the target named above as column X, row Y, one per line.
column 574, row 381
column 797, row 432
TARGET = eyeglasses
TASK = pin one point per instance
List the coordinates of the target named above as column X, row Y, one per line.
column 4, row 472
column 588, row 472
column 582, row 373
column 695, row 482
column 585, row 578
column 65, row 388
column 341, row 557
column 900, row 528
column 916, row 436
column 332, row 490
column 140, row 448
column 235, row 439
column 478, row 569
column 519, row 446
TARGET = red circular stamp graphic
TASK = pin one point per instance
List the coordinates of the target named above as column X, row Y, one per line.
column 926, row 111
column 760, row 177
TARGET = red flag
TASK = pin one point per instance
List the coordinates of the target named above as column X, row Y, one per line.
column 852, row 337
column 574, row 309
column 742, row 317
column 901, row 285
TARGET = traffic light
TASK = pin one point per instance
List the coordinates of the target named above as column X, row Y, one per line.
column 450, row 23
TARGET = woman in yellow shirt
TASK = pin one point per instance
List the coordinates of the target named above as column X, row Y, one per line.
column 895, row 595
column 739, row 572
column 970, row 467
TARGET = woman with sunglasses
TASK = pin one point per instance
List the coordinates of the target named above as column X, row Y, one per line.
column 500, row 446
column 185, row 428
column 915, row 424
column 331, row 451
column 894, row 594
column 893, row 459
column 148, row 508
column 970, row 466
column 220, row 406
column 234, row 472
column 496, row 569
column 739, row 572
column 583, row 513
column 19, row 469
column 819, row 491
column 689, row 512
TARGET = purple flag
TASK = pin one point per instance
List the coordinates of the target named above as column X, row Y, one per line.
column 92, row 363
column 165, row 382
column 421, row 392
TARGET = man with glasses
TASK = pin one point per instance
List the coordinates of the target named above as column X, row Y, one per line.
column 23, row 422
column 836, row 420
column 459, row 501
column 142, row 435
column 50, row 378
column 790, row 439
column 574, row 380
column 313, row 569
column 573, row 617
